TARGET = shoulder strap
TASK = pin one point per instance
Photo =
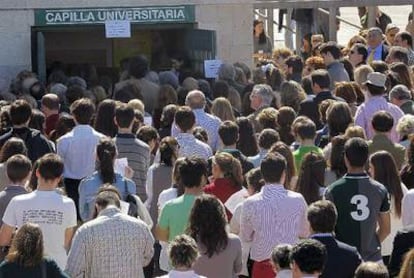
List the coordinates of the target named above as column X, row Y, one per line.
column 43, row 269
column 125, row 187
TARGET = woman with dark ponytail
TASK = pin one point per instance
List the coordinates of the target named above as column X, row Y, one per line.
column 159, row 175
column 106, row 154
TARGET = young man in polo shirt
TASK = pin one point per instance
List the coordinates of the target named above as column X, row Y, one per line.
column 173, row 219
column 362, row 204
column 306, row 133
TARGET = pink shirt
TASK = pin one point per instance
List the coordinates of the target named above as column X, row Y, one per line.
column 365, row 111
column 271, row 217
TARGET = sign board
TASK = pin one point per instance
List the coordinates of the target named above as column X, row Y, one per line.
column 144, row 15
column 211, row 68
column 117, row 29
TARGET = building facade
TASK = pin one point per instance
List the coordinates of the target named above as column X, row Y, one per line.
column 37, row 34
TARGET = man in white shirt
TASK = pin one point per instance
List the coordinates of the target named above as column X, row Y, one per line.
column 53, row 212
column 77, row 147
column 273, row 216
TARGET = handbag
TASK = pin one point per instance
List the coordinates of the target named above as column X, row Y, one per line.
column 133, row 208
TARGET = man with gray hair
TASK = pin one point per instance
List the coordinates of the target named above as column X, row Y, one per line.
column 377, row 50
column 227, row 73
column 400, row 95
column 397, row 54
column 261, row 97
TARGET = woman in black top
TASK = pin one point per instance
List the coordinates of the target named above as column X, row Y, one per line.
column 26, row 259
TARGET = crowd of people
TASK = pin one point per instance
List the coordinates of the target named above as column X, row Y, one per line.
column 300, row 167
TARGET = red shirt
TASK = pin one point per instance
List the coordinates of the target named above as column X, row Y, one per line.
column 51, row 122
column 222, row 188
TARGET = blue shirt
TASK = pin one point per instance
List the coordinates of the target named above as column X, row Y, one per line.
column 257, row 159
column 88, row 188
column 211, row 124
column 377, row 53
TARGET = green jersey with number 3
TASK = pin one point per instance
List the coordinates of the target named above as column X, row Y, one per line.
column 359, row 199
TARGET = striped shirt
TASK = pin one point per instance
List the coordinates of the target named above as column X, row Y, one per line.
column 138, row 156
column 190, row 146
column 209, row 122
column 271, row 217
column 112, row 245
column 366, row 111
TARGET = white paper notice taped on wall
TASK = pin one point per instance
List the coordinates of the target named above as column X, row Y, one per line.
column 211, row 68
column 117, row 29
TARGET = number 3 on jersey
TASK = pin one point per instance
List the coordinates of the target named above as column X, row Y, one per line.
column 362, row 211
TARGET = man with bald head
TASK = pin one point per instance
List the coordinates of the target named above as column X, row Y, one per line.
column 50, row 105
column 197, row 102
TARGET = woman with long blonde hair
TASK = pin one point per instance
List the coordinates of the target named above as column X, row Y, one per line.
column 407, row 269
column 222, row 109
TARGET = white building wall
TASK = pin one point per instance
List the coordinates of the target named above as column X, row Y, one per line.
column 231, row 19
column 15, row 43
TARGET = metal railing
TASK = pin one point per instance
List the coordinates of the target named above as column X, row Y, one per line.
column 270, row 20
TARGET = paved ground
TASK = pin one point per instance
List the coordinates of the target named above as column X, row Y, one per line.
column 398, row 14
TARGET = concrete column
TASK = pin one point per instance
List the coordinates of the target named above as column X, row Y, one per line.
column 332, row 24
column 372, row 14
column 270, row 25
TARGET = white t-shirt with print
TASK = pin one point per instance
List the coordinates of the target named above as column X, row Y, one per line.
column 54, row 213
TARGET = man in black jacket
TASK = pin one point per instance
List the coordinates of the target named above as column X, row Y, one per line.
column 343, row 259
column 20, row 114
column 229, row 135
column 320, row 86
